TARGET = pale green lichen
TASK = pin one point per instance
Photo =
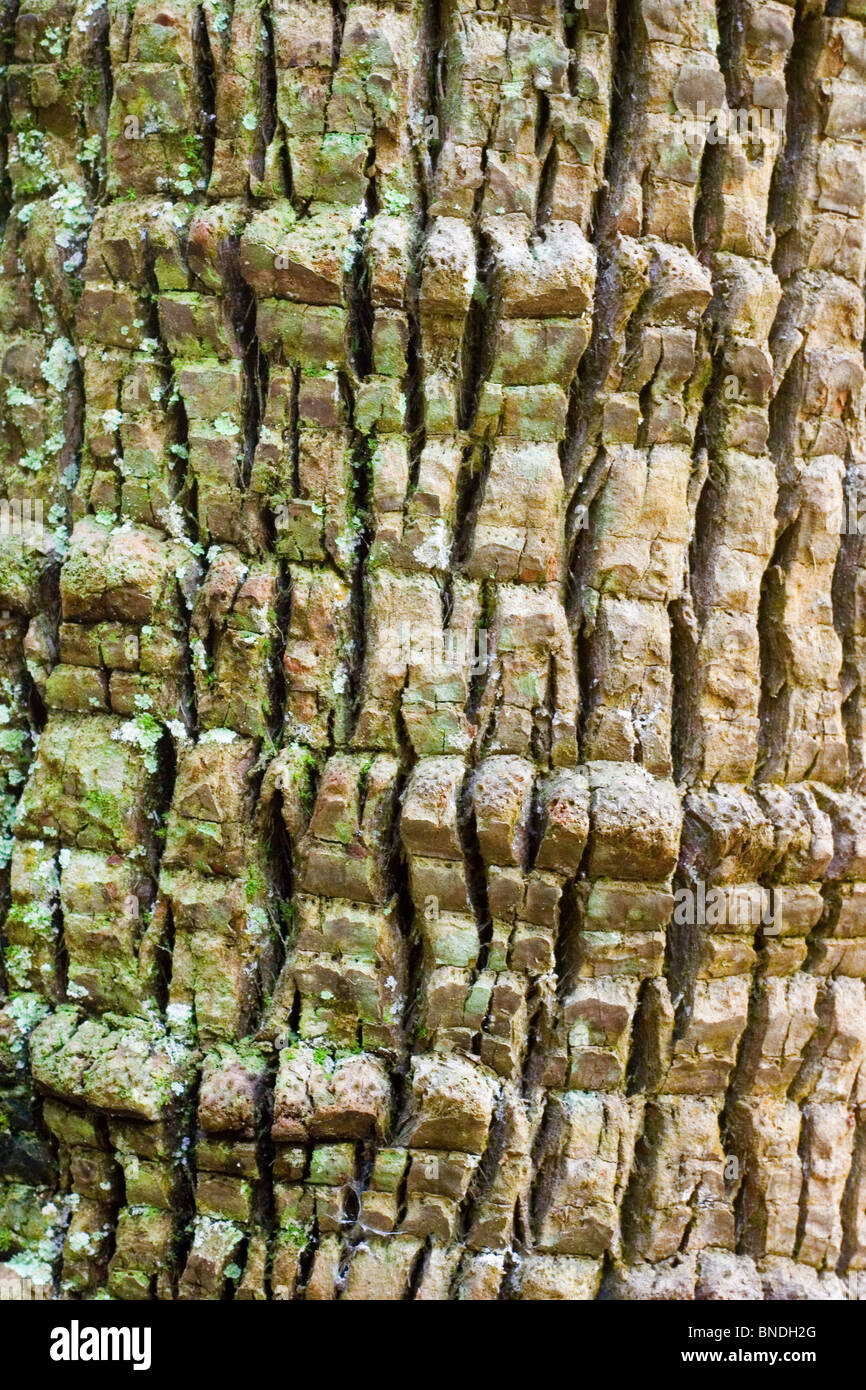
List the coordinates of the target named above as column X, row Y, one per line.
column 57, row 364
column 142, row 732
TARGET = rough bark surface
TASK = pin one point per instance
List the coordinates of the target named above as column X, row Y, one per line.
column 434, row 686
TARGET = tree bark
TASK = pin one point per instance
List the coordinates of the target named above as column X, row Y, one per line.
column 432, row 584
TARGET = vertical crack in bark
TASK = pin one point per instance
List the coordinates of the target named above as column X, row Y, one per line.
column 204, row 72
column 360, row 493
column 8, row 19
column 269, row 124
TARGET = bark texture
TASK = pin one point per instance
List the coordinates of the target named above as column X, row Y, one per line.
column 433, row 718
